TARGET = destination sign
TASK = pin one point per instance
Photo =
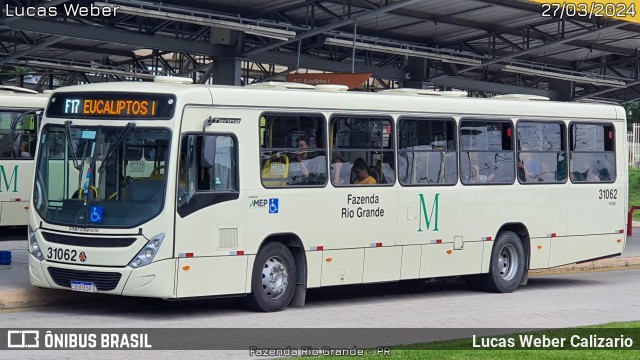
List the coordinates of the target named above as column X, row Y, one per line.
column 112, row 105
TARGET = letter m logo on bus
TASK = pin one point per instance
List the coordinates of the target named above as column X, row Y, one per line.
column 429, row 216
column 13, row 179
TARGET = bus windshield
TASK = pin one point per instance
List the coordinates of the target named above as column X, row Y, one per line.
column 100, row 176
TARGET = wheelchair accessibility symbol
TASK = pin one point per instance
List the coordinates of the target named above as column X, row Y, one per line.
column 273, row 206
column 95, row 214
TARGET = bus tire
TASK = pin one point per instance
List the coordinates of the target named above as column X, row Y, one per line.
column 273, row 280
column 507, row 264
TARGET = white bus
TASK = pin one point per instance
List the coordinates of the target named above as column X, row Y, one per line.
column 19, row 116
column 269, row 190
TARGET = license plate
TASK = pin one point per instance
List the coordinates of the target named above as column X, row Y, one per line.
column 83, row 286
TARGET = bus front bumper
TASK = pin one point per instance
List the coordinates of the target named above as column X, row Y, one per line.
column 154, row 280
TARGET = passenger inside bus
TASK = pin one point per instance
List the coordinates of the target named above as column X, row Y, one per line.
column 338, row 163
column 362, row 173
column 476, row 177
column 309, row 167
column 56, row 152
column 23, row 150
column 590, row 174
column 528, row 167
column 479, row 169
column 302, row 156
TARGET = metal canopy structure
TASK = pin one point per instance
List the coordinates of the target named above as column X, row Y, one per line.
column 488, row 46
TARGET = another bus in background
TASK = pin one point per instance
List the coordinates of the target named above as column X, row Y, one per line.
column 19, row 114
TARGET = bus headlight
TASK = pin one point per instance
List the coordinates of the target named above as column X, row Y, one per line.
column 148, row 252
column 34, row 247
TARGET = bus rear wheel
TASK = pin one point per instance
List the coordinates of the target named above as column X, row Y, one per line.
column 273, row 280
column 507, row 264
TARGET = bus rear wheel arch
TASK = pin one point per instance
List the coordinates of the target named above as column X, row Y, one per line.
column 273, row 278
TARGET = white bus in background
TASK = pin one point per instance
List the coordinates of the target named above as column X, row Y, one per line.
column 19, row 111
column 265, row 191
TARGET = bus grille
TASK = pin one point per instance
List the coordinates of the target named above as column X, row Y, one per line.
column 88, row 241
column 104, row 281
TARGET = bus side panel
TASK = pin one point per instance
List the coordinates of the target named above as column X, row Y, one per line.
column 15, row 190
column 216, row 275
column 249, row 273
column 382, row 264
column 443, row 260
column 486, row 257
column 14, row 213
column 576, row 248
column 411, row 256
column 314, row 268
column 540, row 251
column 346, row 221
column 342, row 267
column 607, row 219
column 542, row 209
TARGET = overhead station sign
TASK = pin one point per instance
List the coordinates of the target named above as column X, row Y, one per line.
column 124, row 106
column 348, row 79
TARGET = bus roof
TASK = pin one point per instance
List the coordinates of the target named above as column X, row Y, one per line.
column 279, row 98
column 21, row 100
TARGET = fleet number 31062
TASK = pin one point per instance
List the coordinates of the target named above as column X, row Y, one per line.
column 607, row 194
column 61, row 254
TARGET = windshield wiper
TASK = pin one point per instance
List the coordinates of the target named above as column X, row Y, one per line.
column 67, row 132
column 115, row 145
column 22, row 116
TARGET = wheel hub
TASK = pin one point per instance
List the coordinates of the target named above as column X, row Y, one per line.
column 275, row 278
column 508, row 262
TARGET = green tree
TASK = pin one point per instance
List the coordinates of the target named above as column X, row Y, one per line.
column 633, row 113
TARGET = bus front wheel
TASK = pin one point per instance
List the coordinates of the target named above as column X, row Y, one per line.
column 273, row 279
column 507, row 264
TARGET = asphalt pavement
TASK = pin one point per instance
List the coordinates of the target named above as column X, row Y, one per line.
column 17, row 292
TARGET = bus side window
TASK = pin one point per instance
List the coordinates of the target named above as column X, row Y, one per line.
column 208, row 163
column 218, row 161
column 486, row 152
column 542, row 152
column 427, row 152
column 362, row 151
column 592, row 157
column 208, row 167
column 292, row 150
